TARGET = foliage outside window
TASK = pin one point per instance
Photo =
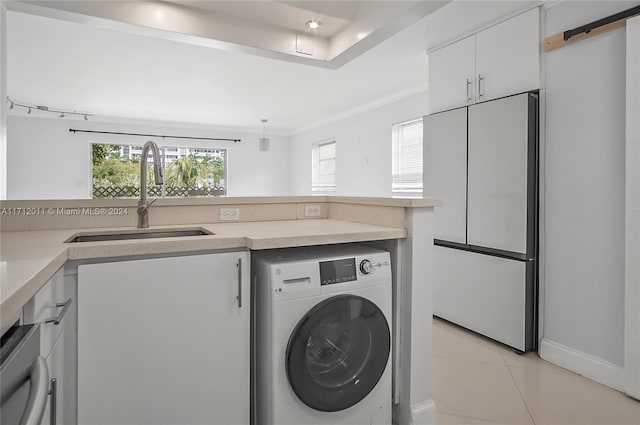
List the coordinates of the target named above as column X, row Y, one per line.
column 188, row 171
column 407, row 157
column 323, row 167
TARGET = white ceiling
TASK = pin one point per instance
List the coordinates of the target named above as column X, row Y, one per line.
column 113, row 73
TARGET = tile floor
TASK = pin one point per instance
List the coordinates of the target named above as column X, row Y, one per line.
column 477, row 381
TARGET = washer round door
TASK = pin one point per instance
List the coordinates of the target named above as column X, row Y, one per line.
column 338, row 352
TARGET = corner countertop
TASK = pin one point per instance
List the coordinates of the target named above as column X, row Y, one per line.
column 28, row 259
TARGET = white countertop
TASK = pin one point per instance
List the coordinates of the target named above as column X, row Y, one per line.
column 28, row 259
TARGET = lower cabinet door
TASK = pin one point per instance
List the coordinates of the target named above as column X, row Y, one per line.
column 164, row 341
column 54, row 412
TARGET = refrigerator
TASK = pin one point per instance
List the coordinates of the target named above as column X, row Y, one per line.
column 482, row 161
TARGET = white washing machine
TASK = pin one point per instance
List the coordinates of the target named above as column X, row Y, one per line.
column 322, row 336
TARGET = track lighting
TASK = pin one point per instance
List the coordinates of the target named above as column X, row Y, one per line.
column 60, row 113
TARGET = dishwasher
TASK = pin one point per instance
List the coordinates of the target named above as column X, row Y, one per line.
column 24, row 377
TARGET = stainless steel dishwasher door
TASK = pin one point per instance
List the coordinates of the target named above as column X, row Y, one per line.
column 24, row 377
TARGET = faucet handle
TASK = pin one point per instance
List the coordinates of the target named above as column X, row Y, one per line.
column 143, row 207
column 152, row 201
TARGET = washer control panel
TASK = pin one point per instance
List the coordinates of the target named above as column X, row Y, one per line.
column 351, row 269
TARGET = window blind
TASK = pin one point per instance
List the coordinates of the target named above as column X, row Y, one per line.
column 324, row 167
column 407, row 156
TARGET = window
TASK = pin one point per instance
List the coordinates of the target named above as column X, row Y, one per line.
column 323, row 178
column 407, row 157
column 188, row 172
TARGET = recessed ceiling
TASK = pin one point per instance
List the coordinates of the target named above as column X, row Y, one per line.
column 262, row 27
column 114, row 72
column 335, row 16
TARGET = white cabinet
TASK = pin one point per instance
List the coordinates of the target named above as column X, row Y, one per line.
column 50, row 303
column 165, row 340
column 452, row 75
column 53, row 307
column 499, row 61
column 508, row 57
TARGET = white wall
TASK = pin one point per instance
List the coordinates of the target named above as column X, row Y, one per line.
column 3, row 103
column 46, row 161
column 584, row 173
column 363, row 143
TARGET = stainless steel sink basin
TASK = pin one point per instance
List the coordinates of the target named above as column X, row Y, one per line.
column 137, row 234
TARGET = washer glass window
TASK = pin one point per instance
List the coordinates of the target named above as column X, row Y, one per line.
column 338, row 352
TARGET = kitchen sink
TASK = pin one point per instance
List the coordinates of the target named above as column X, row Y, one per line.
column 137, row 234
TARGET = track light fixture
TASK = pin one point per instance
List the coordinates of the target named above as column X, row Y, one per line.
column 62, row 114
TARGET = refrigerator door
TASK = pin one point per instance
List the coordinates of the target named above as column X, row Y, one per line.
column 500, row 167
column 489, row 295
column 445, row 171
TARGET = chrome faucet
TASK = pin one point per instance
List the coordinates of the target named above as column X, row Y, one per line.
column 158, row 172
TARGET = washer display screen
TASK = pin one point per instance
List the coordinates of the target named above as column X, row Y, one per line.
column 337, row 271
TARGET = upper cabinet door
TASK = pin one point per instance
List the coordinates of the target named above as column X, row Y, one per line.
column 498, row 174
column 445, row 171
column 451, row 75
column 508, row 57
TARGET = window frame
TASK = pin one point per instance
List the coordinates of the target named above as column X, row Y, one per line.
column 316, row 185
column 182, row 151
column 397, row 186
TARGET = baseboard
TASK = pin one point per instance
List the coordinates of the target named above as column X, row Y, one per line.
column 423, row 413
column 583, row 364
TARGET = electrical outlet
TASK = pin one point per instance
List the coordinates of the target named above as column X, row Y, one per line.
column 229, row 214
column 312, row 210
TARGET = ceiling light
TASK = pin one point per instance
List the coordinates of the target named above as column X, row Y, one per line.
column 313, row 24
column 263, row 142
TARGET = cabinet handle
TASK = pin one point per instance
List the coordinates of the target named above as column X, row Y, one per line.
column 56, row 320
column 239, row 297
column 468, row 90
column 53, row 392
column 480, row 79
